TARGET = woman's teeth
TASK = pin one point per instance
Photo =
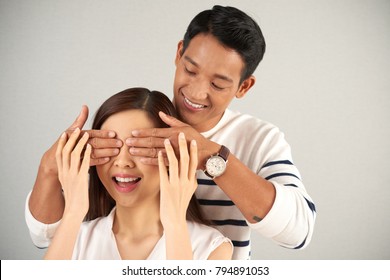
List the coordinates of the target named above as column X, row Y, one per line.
column 125, row 180
column 196, row 106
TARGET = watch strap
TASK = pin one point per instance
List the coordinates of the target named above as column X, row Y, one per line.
column 224, row 153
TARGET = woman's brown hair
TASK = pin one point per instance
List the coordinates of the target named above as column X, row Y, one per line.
column 152, row 102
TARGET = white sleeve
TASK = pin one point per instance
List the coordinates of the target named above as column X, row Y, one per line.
column 41, row 234
column 290, row 222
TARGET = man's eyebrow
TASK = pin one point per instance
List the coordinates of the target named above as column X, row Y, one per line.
column 218, row 76
column 190, row 60
column 223, row 77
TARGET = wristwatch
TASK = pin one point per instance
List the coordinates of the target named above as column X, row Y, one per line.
column 216, row 164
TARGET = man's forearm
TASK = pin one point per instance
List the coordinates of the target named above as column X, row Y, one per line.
column 46, row 202
column 253, row 195
column 293, row 218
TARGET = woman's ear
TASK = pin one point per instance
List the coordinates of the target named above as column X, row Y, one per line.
column 245, row 86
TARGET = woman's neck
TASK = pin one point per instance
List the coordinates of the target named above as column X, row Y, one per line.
column 138, row 221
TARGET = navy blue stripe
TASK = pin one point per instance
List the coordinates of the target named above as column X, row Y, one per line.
column 216, row 202
column 282, row 174
column 311, row 205
column 291, row 185
column 240, row 243
column 301, row 245
column 206, row 182
column 231, row 222
column 277, row 162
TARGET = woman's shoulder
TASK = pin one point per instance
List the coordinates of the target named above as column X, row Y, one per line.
column 195, row 228
column 205, row 239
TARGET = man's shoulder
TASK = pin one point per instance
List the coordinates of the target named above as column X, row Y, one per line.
column 238, row 119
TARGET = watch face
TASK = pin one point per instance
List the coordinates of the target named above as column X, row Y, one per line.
column 215, row 166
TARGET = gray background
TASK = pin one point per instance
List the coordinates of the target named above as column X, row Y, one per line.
column 324, row 81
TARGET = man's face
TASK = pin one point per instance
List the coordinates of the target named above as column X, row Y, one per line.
column 206, row 81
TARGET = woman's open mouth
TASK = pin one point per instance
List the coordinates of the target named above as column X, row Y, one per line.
column 125, row 184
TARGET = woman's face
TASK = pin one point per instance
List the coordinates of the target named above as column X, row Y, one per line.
column 127, row 180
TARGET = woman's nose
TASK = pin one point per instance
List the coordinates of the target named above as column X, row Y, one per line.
column 124, row 159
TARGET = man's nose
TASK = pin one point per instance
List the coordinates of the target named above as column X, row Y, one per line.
column 199, row 90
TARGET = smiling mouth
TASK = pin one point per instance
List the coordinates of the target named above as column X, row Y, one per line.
column 126, row 184
column 125, row 180
column 193, row 105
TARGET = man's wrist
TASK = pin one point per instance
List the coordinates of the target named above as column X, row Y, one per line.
column 211, row 149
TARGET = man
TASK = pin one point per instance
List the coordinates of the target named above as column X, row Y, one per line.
column 246, row 176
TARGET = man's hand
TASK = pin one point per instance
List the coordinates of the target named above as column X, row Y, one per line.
column 47, row 201
column 102, row 142
column 147, row 143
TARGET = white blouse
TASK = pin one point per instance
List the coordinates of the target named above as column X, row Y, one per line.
column 96, row 241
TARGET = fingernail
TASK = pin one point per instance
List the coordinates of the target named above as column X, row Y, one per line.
column 129, row 141
column 118, row 143
column 63, row 135
column 167, row 142
column 181, row 135
column 76, row 130
column 111, row 134
column 193, row 142
column 133, row 151
column 135, row 133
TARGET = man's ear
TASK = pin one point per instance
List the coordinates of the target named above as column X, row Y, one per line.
column 245, row 86
column 179, row 51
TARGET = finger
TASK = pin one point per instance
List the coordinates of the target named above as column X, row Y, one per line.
column 101, row 143
column 145, row 152
column 86, row 160
column 80, row 120
column 147, row 141
column 193, row 160
column 60, row 146
column 77, row 152
column 171, row 121
column 104, row 134
column 162, row 169
column 152, row 132
column 68, row 148
column 184, row 157
column 173, row 165
column 103, row 153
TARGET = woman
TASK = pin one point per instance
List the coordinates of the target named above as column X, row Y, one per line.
column 132, row 210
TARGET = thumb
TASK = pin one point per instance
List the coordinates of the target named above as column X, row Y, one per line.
column 81, row 118
column 171, row 121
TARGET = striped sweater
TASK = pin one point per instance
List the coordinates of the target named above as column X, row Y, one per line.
column 261, row 147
